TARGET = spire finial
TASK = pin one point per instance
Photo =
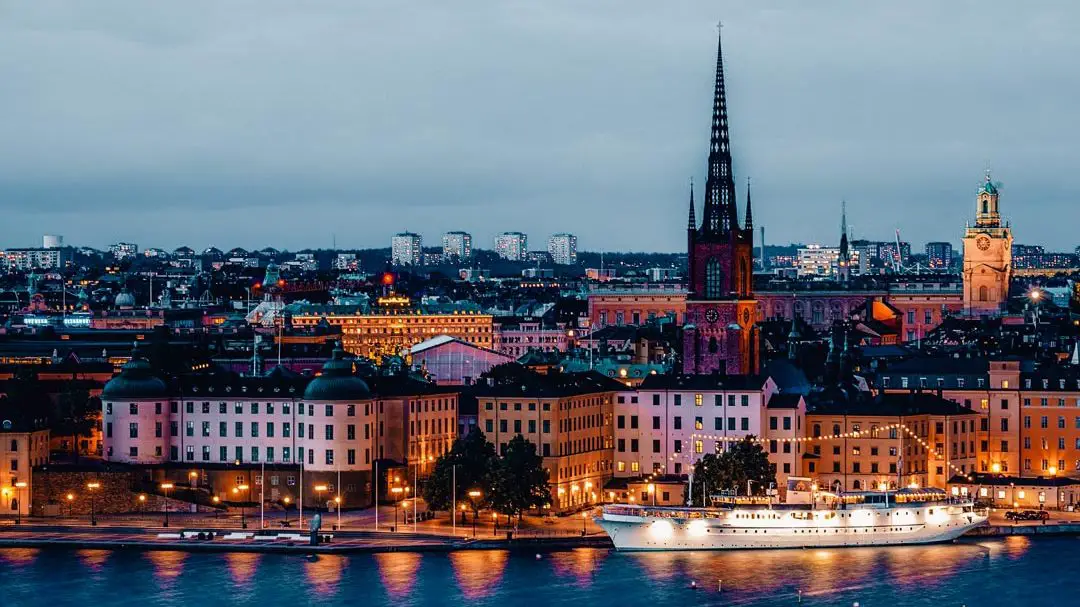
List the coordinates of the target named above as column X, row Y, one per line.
column 692, row 222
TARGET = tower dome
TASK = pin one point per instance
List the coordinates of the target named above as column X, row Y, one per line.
column 338, row 381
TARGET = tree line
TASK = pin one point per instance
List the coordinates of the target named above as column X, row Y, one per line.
column 509, row 484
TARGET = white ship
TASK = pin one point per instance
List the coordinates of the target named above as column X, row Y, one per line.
column 810, row 519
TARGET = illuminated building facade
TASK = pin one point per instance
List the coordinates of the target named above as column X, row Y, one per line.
column 563, row 249
column 395, row 324
column 939, row 255
column 512, row 246
column 720, row 333
column 21, row 449
column 456, row 246
column 406, row 249
column 635, row 304
column 568, row 417
column 987, row 256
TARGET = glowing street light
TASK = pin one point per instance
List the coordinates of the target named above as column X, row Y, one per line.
column 165, row 487
column 1052, row 471
column 995, row 468
column 397, row 493
column 474, row 497
column 286, row 501
column 243, row 505
column 19, row 486
column 70, row 498
column 92, row 487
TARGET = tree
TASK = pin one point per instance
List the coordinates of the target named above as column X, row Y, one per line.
column 743, row 461
column 475, row 459
column 74, row 415
column 520, row 480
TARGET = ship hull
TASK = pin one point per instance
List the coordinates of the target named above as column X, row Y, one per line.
column 736, row 530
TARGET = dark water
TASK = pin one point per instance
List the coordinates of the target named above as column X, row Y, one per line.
column 1015, row 572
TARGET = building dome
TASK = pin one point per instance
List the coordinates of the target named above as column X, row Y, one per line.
column 338, row 381
column 136, row 381
column 124, row 299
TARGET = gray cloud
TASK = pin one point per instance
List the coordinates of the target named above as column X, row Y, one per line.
column 265, row 122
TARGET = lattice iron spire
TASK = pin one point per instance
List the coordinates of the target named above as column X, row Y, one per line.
column 692, row 223
column 720, row 215
column 749, row 211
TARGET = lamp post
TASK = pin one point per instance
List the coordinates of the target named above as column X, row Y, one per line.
column 142, row 502
column 19, row 486
column 165, row 487
column 396, row 492
column 91, row 488
column 193, row 479
column 320, row 489
column 651, row 488
column 70, row 500
column 285, row 501
column 584, row 517
column 216, row 500
column 337, row 506
column 243, row 505
column 474, row 495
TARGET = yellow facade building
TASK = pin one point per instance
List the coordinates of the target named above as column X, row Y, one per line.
column 396, row 324
column 987, row 256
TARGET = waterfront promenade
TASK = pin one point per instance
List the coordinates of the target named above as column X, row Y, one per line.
column 357, row 533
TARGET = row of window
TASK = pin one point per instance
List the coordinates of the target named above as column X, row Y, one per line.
column 268, row 453
column 238, row 430
column 238, row 408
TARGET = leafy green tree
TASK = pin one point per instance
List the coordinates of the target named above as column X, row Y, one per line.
column 520, row 481
column 475, row 460
column 743, row 461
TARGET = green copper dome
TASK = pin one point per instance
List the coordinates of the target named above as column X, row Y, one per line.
column 337, row 382
column 136, row 381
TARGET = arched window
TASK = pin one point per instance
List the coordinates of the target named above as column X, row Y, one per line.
column 856, row 485
column 714, row 276
column 986, row 206
column 817, row 430
column 836, row 430
column 818, row 314
column 984, row 294
column 713, row 346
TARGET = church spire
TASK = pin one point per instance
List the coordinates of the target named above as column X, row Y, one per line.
column 692, row 223
column 720, row 217
column 749, row 212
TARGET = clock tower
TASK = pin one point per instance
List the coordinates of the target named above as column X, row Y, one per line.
column 720, row 334
column 987, row 256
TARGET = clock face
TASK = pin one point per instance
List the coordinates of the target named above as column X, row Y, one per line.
column 983, row 243
column 712, row 315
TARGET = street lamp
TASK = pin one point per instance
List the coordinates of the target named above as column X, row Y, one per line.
column 216, row 500
column 584, row 517
column 91, row 487
column 396, row 491
column 1052, row 471
column 70, row 499
column 474, row 496
column 652, row 491
column 995, row 468
column 19, row 486
column 494, row 523
column 165, row 487
column 142, row 501
column 243, row 505
column 193, row 477
column 337, row 506
column 286, row 500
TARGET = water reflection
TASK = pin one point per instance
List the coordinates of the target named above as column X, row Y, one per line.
column 93, row 559
column 579, row 564
column 478, row 573
column 242, row 566
column 19, row 557
column 398, row 571
column 168, row 564
column 324, row 574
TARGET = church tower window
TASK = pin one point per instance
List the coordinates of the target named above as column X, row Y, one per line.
column 714, row 278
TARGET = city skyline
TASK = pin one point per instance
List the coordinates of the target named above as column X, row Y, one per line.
column 180, row 143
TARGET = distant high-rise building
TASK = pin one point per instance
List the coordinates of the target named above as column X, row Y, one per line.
column 124, row 250
column 939, row 255
column 33, row 259
column 346, row 262
column 52, row 241
column 816, row 260
column 512, row 246
column 406, row 249
column 456, row 246
column 563, row 249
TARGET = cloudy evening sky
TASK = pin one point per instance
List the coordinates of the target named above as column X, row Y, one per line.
column 265, row 122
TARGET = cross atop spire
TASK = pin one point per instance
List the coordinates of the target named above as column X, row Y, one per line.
column 720, row 216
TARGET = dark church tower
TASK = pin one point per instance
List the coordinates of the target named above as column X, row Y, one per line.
column 720, row 309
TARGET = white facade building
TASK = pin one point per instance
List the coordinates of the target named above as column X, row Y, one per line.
column 124, row 250
column 816, row 260
column 563, row 249
column 32, row 259
column 406, row 249
column 512, row 246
